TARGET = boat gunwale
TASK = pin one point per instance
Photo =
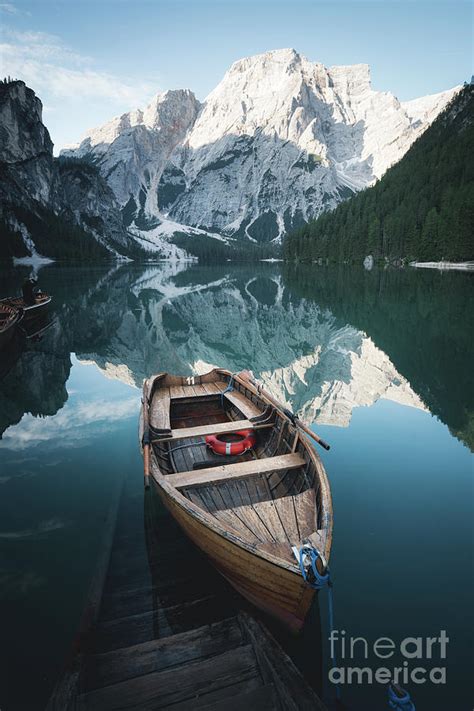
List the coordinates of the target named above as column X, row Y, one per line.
column 214, row 524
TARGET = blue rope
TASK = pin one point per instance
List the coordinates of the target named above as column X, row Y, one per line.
column 320, row 581
column 228, row 389
column 400, row 703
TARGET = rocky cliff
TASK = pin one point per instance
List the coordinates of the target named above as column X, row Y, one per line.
column 57, row 208
column 278, row 141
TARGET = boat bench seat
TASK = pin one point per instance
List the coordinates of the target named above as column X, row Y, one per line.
column 241, row 470
column 236, row 398
column 178, row 392
column 246, row 407
column 216, row 429
column 161, row 403
column 160, row 409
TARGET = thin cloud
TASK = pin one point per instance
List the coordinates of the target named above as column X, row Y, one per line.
column 56, row 71
column 11, row 9
column 41, row 46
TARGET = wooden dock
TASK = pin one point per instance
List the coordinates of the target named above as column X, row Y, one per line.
column 163, row 630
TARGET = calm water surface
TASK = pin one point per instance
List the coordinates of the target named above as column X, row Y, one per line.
column 379, row 362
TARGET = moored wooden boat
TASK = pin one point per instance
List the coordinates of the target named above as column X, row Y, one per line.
column 10, row 317
column 250, row 514
column 29, row 310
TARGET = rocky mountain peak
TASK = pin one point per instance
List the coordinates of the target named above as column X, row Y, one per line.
column 279, row 140
column 284, row 58
column 144, row 139
column 170, row 106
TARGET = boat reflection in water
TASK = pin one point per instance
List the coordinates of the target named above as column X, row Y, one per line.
column 26, row 331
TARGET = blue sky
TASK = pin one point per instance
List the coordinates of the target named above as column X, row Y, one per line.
column 89, row 60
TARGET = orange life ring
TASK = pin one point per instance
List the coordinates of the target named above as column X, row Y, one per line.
column 247, row 440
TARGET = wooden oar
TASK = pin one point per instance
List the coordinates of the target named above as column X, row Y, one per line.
column 296, row 421
column 146, row 438
column 245, row 376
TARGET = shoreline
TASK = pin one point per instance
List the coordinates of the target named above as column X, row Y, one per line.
column 461, row 266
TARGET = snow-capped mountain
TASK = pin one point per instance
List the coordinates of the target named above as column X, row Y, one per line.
column 279, row 140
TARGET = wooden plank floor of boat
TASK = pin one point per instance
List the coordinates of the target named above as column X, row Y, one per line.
column 171, row 633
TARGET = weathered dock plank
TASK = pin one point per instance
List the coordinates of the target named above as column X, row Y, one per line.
column 262, row 699
column 189, row 682
column 144, row 627
column 166, row 632
column 159, row 654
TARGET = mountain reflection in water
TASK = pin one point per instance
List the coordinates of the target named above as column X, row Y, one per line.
column 323, row 340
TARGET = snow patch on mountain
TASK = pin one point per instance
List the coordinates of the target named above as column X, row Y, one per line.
column 158, row 239
column 163, row 283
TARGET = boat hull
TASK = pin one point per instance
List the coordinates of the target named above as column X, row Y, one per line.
column 276, row 590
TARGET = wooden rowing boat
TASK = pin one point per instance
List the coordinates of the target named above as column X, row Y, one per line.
column 29, row 310
column 249, row 514
column 9, row 319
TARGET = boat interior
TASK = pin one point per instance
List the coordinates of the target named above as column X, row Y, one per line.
column 270, row 495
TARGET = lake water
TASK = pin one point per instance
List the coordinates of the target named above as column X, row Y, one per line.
column 380, row 363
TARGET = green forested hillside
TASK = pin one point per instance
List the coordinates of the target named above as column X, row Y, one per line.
column 422, row 208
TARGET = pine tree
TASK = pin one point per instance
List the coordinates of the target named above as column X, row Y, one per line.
column 421, row 208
